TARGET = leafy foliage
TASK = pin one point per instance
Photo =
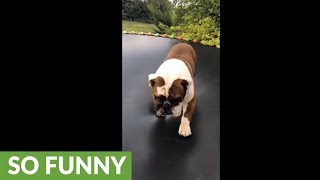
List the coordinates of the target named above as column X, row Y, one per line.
column 204, row 31
column 197, row 19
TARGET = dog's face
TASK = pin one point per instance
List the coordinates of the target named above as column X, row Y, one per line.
column 168, row 95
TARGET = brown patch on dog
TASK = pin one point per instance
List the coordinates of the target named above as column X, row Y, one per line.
column 177, row 91
column 184, row 52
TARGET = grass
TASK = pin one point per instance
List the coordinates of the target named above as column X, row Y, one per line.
column 137, row 26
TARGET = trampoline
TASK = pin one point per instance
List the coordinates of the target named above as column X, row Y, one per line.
column 158, row 151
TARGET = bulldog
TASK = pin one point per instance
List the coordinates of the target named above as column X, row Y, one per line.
column 172, row 86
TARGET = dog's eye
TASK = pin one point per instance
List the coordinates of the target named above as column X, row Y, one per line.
column 160, row 98
column 175, row 101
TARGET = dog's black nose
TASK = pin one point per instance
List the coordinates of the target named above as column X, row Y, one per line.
column 166, row 105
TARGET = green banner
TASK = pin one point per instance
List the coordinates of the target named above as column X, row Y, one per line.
column 65, row 165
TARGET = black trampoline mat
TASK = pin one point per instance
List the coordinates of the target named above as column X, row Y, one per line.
column 158, row 151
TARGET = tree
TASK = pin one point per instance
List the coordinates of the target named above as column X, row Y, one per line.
column 161, row 11
column 135, row 10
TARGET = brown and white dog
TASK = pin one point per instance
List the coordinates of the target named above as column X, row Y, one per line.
column 173, row 86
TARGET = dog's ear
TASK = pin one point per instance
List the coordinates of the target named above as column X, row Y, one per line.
column 152, row 78
column 186, row 83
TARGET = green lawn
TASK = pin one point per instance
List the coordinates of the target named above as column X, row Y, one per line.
column 137, row 26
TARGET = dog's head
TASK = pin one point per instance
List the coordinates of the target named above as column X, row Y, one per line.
column 168, row 94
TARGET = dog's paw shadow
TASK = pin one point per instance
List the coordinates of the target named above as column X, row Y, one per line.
column 167, row 147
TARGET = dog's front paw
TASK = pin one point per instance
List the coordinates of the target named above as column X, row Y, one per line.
column 184, row 130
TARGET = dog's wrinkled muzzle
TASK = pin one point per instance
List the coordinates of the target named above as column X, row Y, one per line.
column 165, row 110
